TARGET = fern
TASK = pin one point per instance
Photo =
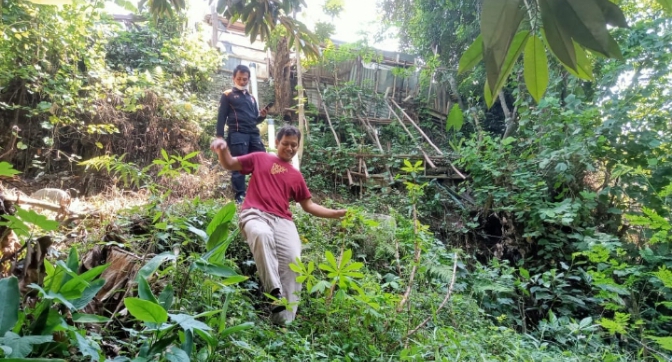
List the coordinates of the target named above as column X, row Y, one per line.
column 663, row 342
column 665, row 276
column 128, row 172
column 384, row 250
column 616, row 325
column 443, row 273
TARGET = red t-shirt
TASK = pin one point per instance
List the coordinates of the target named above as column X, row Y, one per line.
column 273, row 184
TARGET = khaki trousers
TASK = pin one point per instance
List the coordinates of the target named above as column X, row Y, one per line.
column 275, row 243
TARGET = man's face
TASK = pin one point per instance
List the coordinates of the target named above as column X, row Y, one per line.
column 287, row 147
column 241, row 79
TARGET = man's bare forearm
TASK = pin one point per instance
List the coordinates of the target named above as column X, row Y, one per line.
column 321, row 211
column 225, row 159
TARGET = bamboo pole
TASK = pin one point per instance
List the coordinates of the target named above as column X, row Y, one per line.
column 429, row 161
column 427, row 138
column 418, row 128
column 326, row 113
column 338, row 142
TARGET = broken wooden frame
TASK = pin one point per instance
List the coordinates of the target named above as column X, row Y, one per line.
column 362, row 174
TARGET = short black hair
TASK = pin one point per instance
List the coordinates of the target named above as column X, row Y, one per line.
column 287, row 130
column 241, row 68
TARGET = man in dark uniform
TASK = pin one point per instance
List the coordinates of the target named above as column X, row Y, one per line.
column 239, row 110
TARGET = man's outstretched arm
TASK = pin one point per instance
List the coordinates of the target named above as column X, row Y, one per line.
column 320, row 211
column 225, row 159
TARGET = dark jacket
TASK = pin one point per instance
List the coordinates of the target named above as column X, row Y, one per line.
column 239, row 110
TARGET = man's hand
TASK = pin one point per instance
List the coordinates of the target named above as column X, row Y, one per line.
column 263, row 112
column 220, row 147
column 218, row 144
column 340, row 213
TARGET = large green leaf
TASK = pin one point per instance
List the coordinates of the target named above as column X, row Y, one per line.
column 516, row 48
column 38, row 220
column 234, row 329
column 88, row 347
column 9, row 300
column 214, row 269
column 487, row 95
column 146, row 311
column 225, row 215
column 219, row 235
column 612, row 13
column 88, row 294
column 499, row 21
column 88, row 318
column 73, row 260
column 217, row 255
column 536, row 68
column 90, row 274
column 145, row 291
column 48, row 321
column 188, row 342
column 557, row 38
column 201, row 234
column 584, row 22
column 209, row 339
column 175, row 354
column 166, row 297
column 455, row 119
column 189, row 323
column 53, row 296
column 584, row 67
column 472, row 56
column 22, row 345
column 7, row 170
column 148, row 269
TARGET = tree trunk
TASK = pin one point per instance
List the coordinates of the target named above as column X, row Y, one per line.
column 303, row 127
column 281, row 73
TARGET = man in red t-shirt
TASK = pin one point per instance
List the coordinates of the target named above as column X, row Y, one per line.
column 265, row 218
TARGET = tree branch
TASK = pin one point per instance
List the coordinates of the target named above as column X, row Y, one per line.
column 443, row 303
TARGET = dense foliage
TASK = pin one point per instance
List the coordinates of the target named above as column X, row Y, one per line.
column 556, row 247
column 68, row 87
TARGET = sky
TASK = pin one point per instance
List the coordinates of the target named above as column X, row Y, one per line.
column 358, row 16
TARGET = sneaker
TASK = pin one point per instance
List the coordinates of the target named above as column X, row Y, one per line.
column 277, row 308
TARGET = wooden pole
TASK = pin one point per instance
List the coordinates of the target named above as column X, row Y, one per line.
column 427, row 139
column 326, row 113
column 303, row 126
column 429, row 161
column 338, row 143
column 418, row 128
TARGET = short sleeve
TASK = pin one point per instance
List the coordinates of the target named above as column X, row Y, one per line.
column 247, row 162
column 301, row 192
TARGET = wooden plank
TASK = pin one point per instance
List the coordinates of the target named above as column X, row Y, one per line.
column 429, row 177
column 427, row 159
column 418, row 128
column 427, row 138
column 398, row 156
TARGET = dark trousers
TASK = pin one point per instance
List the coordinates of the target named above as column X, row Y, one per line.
column 241, row 144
